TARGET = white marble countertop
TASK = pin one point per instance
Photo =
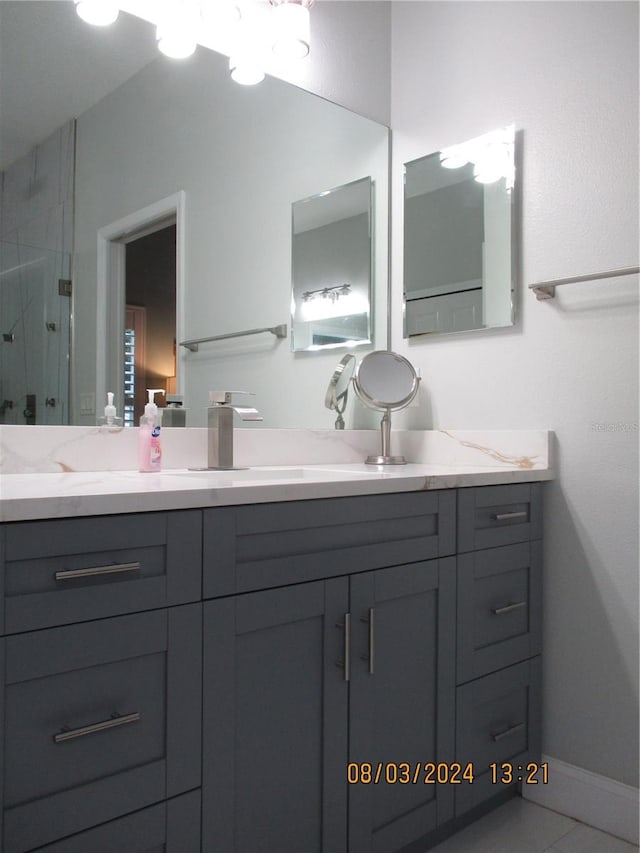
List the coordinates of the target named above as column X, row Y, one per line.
column 63, row 495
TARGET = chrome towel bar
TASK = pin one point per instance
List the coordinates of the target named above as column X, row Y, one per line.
column 547, row 289
column 279, row 331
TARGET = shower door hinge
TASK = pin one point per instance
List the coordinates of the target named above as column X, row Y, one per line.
column 65, row 287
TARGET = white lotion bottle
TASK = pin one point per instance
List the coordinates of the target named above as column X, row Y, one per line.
column 149, row 449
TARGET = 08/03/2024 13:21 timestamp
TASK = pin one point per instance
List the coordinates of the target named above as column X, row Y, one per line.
column 532, row 773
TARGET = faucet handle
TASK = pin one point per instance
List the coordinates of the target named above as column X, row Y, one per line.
column 226, row 397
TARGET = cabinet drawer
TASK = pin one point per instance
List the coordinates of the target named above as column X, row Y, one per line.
column 499, row 608
column 490, row 516
column 73, row 570
column 170, row 827
column 498, row 719
column 101, row 718
column 267, row 545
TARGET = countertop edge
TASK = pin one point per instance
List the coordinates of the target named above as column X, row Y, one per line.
column 34, row 508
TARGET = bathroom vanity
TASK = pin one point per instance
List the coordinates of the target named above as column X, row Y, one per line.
column 310, row 671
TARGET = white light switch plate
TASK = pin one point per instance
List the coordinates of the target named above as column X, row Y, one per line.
column 88, row 403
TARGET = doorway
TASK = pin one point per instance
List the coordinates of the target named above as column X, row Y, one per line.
column 140, row 263
column 150, row 320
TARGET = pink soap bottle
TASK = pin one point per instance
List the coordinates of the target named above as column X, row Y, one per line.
column 149, row 448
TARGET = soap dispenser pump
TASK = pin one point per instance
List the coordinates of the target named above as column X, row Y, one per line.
column 149, row 449
column 110, row 421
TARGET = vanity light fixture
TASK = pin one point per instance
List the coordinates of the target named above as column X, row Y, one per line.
column 291, row 28
column 100, row 13
column 245, row 30
column 332, row 293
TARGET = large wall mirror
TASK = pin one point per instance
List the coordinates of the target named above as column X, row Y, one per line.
column 174, row 158
column 459, row 257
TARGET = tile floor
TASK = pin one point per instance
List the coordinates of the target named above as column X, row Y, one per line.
column 520, row 826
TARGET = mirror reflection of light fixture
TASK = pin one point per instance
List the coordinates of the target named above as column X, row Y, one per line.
column 291, row 23
column 178, row 29
column 281, row 27
column 491, row 155
column 246, row 63
column 332, row 293
column 100, row 13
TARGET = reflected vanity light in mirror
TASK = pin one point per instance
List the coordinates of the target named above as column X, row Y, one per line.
column 99, row 13
column 244, row 33
column 459, row 237
column 331, row 268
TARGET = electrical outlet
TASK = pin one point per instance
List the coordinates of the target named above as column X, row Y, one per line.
column 88, row 403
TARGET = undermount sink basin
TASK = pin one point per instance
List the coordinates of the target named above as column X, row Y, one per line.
column 253, row 474
column 264, row 475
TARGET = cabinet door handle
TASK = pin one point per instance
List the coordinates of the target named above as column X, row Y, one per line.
column 497, row 611
column 370, row 622
column 498, row 736
column 94, row 571
column 346, row 663
column 508, row 516
column 114, row 721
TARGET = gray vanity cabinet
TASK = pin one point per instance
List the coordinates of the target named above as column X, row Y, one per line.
column 167, row 827
column 402, row 696
column 499, row 598
column 303, row 680
column 101, row 716
column 268, row 678
column 275, row 710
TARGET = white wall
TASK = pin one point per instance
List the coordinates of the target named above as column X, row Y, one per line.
column 567, row 75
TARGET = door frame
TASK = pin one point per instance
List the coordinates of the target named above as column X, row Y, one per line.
column 110, row 307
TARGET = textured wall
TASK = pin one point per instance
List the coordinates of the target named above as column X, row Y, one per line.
column 567, row 75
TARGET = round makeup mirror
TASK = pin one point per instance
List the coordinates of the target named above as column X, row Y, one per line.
column 386, row 381
column 337, row 392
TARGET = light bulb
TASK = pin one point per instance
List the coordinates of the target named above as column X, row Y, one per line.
column 455, row 162
column 291, row 30
column 177, row 29
column 245, row 70
column 97, row 12
column 175, row 44
column 246, row 61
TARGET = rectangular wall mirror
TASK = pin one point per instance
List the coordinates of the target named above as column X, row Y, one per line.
column 459, row 257
column 332, row 268
column 104, row 143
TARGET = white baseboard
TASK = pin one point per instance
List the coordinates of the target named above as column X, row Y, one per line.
column 592, row 799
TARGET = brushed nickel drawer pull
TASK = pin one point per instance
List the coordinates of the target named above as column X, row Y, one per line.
column 497, row 611
column 508, row 516
column 116, row 568
column 510, row 731
column 114, row 721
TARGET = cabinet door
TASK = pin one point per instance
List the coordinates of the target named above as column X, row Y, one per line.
column 275, row 711
column 101, row 718
column 402, row 702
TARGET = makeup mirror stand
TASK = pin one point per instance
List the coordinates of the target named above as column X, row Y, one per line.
column 386, row 457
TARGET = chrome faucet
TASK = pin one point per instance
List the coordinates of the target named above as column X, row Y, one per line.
column 220, row 428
